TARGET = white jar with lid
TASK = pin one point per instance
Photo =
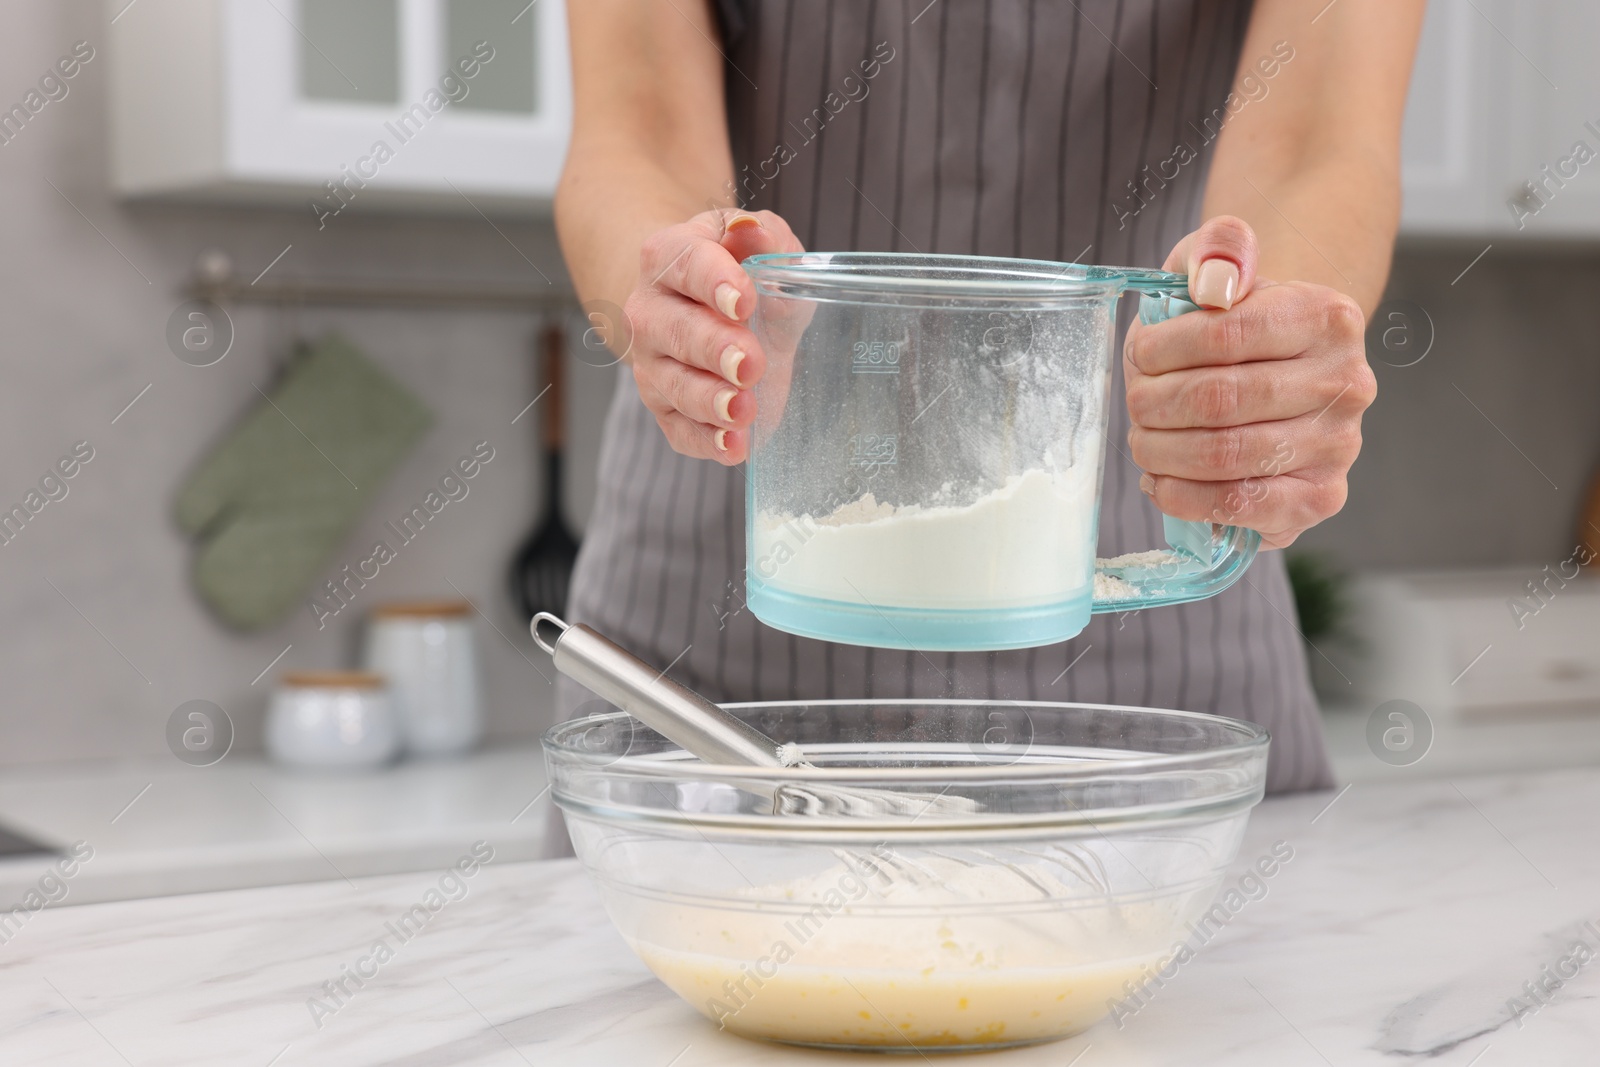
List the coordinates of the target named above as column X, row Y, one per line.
column 332, row 719
column 428, row 652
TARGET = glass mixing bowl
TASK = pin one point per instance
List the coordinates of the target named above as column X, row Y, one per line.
column 1068, row 850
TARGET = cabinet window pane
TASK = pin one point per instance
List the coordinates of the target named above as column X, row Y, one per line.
column 507, row 82
column 350, row 50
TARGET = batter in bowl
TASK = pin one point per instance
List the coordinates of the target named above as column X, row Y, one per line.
column 959, row 961
column 873, row 1007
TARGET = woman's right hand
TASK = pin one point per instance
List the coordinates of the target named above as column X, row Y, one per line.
column 694, row 359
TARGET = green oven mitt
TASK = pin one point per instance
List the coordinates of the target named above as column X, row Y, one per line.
column 277, row 497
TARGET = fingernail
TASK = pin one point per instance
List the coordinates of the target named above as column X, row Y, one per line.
column 743, row 219
column 1215, row 284
column 728, row 300
column 1147, row 485
column 732, row 359
column 721, row 403
column 721, row 439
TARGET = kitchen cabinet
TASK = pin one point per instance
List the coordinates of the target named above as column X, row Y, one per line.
column 435, row 104
column 1501, row 97
column 1477, row 645
column 1554, row 95
column 1445, row 147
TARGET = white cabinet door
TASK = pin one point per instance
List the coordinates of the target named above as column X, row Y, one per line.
column 1448, row 148
column 432, row 103
column 1553, row 149
column 1503, row 90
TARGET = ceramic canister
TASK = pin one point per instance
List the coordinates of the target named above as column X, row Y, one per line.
column 332, row 719
column 428, row 652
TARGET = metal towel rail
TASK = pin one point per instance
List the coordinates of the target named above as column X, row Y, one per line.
column 214, row 280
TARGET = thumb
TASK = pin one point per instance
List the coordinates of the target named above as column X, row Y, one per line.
column 1220, row 259
column 746, row 233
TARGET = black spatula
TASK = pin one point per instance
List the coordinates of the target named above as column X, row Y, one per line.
column 542, row 567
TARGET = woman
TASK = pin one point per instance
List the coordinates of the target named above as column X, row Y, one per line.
column 1096, row 131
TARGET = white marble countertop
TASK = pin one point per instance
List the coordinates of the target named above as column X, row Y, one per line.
column 159, row 826
column 1411, row 913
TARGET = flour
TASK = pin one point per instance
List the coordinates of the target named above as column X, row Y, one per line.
column 1155, row 557
column 1110, row 587
column 1031, row 541
column 1114, row 587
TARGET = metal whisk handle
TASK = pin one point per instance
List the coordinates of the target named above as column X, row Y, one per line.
column 675, row 711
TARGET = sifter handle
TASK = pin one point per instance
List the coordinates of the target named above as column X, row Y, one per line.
column 1205, row 558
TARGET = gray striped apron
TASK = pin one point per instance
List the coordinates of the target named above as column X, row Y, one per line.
column 996, row 127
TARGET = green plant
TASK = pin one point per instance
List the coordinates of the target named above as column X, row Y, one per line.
column 1321, row 594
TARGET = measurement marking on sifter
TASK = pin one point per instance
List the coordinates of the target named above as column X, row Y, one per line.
column 874, row 450
column 875, row 357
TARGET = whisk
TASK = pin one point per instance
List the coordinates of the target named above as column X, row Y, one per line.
column 705, row 730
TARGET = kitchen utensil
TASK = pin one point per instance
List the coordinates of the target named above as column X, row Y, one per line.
column 1589, row 523
column 542, row 567
column 707, row 731
column 332, row 719
column 701, row 727
column 1123, row 819
column 926, row 460
column 429, row 654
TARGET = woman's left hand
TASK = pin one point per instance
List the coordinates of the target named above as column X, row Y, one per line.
column 1248, row 411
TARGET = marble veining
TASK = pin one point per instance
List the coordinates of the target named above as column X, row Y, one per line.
column 1413, row 919
column 1491, row 997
